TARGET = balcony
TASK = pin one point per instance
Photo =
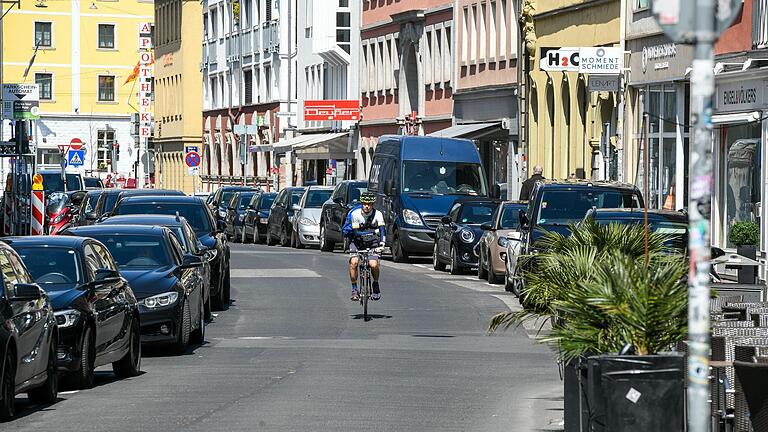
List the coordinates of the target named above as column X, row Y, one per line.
column 760, row 24
column 270, row 37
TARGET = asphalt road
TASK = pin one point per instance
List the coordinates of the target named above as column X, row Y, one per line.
column 293, row 354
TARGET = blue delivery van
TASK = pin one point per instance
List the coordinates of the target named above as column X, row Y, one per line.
column 417, row 179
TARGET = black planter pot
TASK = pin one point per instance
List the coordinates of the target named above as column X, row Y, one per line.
column 637, row 393
column 575, row 408
column 747, row 274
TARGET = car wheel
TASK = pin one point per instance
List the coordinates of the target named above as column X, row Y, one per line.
column 508, row 286
column 83, row 378
column 198, row 336
column 130, row 364
column 325, row 244
column 481, row 272
column 49, row 391
column 184, row 330
column 242, row 234
column 207, row 309
column 8, row 388
column 455, row 267
column 227, row 288
column 398, row 254
column 493, row 279
column 270, row 241
column 284, row 239
column 436, row 263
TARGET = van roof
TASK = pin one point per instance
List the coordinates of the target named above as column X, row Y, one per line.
column 429, row 148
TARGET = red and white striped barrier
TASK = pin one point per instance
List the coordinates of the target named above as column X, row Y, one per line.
column 38, row 212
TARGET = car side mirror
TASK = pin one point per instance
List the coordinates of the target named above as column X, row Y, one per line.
column 78, row 197
column 339, row 200
column 190, row 261
column 296, row 207
column 91, row 216
column 445, row 220
column 486, row 226
column 496, row 191
column 105, row 275
column 524, row 221
column 26, row 292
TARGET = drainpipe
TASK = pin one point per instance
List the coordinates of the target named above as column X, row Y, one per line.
column 620, row 95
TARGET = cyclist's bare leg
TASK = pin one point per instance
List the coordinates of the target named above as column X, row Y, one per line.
column 374, row 269
column 353, row 270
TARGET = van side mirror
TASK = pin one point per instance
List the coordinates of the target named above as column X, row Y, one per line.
column 388, row 187
column 524, row 221
column 496, row 191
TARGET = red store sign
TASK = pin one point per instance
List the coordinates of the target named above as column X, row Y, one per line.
column 323, row 110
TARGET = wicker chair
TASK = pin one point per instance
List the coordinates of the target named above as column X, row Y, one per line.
column 760, row 319
column 716, row 304
column 741, row 409
column 723, row 342
column 753, row 380
column 734, row 323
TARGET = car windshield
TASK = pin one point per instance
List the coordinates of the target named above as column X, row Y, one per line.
column 135, row 250
column 510, row 217
column 244, row 201
column 52, row 183
column 91, row 202
column 567, row 206
column 476, row 213
column 266, row 202
column 196, row 215
column 296, row 196
column 316, row 197
column 355, row 191
column 226, row 197
column 677, row 232
column 51, row 266
column 444, row 178
column 93, row 183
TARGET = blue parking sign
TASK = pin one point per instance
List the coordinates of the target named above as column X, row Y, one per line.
column 75, row 158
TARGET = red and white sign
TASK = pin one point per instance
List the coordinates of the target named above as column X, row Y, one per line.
column 323, row 110
column 38, row 210
column 75, row 144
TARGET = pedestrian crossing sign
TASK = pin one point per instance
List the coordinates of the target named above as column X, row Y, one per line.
column 75, row 158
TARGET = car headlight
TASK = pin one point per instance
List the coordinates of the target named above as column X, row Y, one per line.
column 263, row 220
column 503, row 241
column 411, row 217
column 58, row 218
column 222, row 213
column 307, row 221
column 66, row 318
column 161, row 300
column 467, row 236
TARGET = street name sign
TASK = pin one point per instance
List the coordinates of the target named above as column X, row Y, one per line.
column 21, row 101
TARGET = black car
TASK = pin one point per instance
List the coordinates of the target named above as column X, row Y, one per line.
column 257, row 216
column 109, row 198
column 186, row 236
column 202, row 221
column 236, row 208
column 345, row 197
column 164, row 280
column 87, row 206
column 457, row 233
column 93, row 183
column 219, row 200
column 280, row 221
column 28, row 337
column 95, row 308
column 667, row 222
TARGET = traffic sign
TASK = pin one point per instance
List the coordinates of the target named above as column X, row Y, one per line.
column 63, row 148
column 192, row 159
column 188, row 149
column 75, row 158
column 678, row 20
column 76, row 144
column 21, row 102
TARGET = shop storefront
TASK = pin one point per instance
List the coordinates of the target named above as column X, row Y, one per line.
column 740, row 131
column 658, row 86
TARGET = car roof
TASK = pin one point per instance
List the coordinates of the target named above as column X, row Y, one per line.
column 181, row 199
column 73, row 242
column 85, row 231
column 520, row 203
column 268, row 193
column 156, row 192
column 639, row 213
column 587, row 183
column 319, row 187
column 480, row 200
column 237, row 188
column 144, row 219
column 55, row 171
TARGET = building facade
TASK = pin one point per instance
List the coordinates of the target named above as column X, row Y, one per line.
column 80, row 54
column 563, row 124
column 249, row 74
column 178, row 92
column 406, row 75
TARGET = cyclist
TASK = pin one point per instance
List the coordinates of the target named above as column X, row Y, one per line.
column 365, row 229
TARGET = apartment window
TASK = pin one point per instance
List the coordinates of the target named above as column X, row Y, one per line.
column 343, row 3
column 483, row 33
column 268, row 83
column 343, row 35
column 45, row 82
column 106, row 88
column 465, row 36
column 205, row 26
column 214, row 93
column 473, row 32
column 214, row 23
column 504, row 32
column 246, row 14
column 268, row 12
column 248, row 86
column 43, row 34
column 492, row 21
column 641, row 4
column 107, row 36
column 105, row 143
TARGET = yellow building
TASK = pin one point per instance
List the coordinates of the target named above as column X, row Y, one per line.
column 563, row 123
column 81, row 53
column 178, row 91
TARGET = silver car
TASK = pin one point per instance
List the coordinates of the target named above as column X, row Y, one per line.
column 306, row 221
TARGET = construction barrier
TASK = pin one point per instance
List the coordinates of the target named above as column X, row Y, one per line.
column 38, row 213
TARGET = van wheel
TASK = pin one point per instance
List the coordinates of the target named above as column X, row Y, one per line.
column 398, row 254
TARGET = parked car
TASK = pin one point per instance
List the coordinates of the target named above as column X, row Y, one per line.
column 164, row 280
column 504, row 227
column 556, row 205
column 671, row 223
column 458, row 233
column 53, row 181
column 205, row 226
column 345, row 197
column 219, row 200
column 236, row 214
column 257, row 217
column 306, row 221
column 109, row 198
column 186, row 236
column 93, row 183
column 417, row 179
column 280, row 221
column 28, row 337
column 95, row 308
column 87, row 207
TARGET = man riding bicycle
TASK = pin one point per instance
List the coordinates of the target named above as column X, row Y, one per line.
column 365, row 229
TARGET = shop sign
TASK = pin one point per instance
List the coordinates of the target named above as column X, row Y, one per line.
column 601, row 60
column 741, row 95
column 559, row 59
column 602, row 83
column 658, row 52
column 337, row 110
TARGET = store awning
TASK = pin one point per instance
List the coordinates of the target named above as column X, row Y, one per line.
column 469, row 131
column 736, row 117
column 281, row 146
column 325, row 146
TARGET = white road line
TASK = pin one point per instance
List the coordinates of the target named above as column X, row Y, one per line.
column 424, row 266
column 273, row 273
column 268, row 252
column 68, row 392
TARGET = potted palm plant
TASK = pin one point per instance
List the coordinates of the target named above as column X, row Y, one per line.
column 614, row 308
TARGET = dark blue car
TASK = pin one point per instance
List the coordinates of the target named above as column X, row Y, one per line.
column 236, row 210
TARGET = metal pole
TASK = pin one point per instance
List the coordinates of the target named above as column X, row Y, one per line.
column 699, row 210
column 646, row 181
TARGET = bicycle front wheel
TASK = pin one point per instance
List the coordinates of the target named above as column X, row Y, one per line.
column 366, row 294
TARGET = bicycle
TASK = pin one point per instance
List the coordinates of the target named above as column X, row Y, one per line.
column 364, row 280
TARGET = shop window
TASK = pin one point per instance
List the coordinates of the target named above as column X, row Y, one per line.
column 743, row 153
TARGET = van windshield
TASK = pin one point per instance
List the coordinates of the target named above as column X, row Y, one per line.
column 444, row 178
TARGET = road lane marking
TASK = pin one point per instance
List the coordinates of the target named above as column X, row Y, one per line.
column 273, row 273
column 268, row 252
column 71, row 392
